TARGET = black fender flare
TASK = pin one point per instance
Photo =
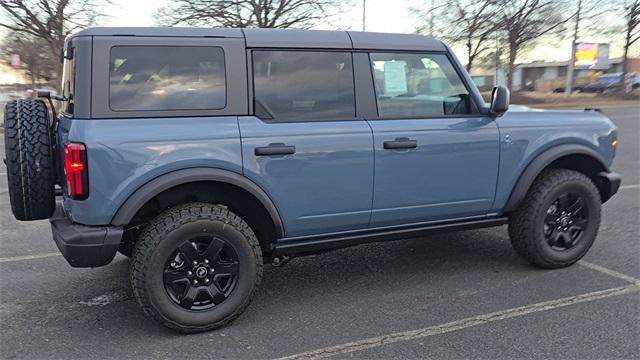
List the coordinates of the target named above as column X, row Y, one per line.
column 535, row 167
column 146, row 192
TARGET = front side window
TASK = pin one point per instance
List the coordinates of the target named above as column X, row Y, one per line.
column 304, row 85
column 166, row 78
column 412, row 85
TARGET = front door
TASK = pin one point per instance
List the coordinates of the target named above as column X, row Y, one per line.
column 305, row 147
column 436, row 158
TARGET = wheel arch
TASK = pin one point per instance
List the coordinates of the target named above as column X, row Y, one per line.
column 191, row 176
column 569, row 156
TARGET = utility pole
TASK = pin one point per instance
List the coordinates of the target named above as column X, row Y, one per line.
column 569, row 83
column 364, row 14
column 497, row 58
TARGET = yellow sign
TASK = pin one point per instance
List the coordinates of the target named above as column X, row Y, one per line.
column 586, row 54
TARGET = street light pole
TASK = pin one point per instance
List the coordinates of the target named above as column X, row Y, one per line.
column 364, row 14
column 568, row 88
column 431, row 19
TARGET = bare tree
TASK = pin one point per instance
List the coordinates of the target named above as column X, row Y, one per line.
column 49, row 20
column 525, row 21
column 468, row 22
column 632, row 32
column 33, row 53
column 427, row 17
column 248, row 13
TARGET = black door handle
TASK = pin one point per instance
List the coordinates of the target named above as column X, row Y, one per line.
column 275, row 149
column 400, row 144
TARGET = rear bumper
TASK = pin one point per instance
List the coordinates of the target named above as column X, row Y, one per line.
column 84, row 246
column 609, row 184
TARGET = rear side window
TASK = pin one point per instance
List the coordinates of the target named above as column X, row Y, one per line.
column 166, row 78
column 304, row 85
column 68, row 82
column 412, row 85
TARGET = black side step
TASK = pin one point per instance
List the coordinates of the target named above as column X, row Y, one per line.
column 328, row 243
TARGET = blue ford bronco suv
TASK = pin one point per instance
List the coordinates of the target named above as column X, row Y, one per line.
column 204, row 153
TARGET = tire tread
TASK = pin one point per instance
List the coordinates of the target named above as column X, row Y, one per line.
column 521, row 222
column 29, row 159
column 164, row 224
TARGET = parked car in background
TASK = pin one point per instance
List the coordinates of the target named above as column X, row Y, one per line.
column 609, row 83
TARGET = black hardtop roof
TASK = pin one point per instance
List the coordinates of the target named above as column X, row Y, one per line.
column 284, row 38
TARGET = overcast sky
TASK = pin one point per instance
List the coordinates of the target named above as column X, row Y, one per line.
column 382, row 15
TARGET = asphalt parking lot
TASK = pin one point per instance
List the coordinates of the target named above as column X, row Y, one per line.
column 460, row 295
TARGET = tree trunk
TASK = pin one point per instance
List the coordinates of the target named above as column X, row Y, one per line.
column 56, row 50
column 513, row 52
column 625, row 66
column 34, row 71
column 57, row 81
column 469, row 54
column 625, row 57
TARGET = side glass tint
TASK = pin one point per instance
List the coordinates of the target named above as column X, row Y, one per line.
column 68, row 82
column 304, row 85
column 166, row 78
column 418, row 85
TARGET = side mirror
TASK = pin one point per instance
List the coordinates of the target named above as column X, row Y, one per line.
column 499, row 101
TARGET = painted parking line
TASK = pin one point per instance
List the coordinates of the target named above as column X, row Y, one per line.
column 634, row 186
column 609, row 272
column 383, row 340
column 28, row 257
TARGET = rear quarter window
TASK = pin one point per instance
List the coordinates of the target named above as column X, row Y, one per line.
column 144, row 78
column 68, row 83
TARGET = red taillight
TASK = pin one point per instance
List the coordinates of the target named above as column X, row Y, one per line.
column 75, row 169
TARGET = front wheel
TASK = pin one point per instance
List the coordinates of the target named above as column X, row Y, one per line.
column 196, row 267
column 558, row 221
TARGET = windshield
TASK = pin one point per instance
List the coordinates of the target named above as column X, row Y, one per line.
column 68, row 80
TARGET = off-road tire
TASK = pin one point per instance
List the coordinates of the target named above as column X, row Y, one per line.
column 30, row 166
column 155, row 244
column 526, row 223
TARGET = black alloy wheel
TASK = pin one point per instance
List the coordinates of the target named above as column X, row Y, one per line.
column 196, row 267
column 201, row 273
column 565, row 222
column 558, row 221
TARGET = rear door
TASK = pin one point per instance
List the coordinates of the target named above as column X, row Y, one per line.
column 436, row 157
column 306, row 147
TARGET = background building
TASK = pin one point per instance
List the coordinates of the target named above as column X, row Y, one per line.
column 544, row 76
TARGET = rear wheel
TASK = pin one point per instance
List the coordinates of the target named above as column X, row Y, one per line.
column 558, row 221
column 30, row 169
column 196, row 267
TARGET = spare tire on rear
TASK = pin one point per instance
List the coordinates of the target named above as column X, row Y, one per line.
column 30, row 169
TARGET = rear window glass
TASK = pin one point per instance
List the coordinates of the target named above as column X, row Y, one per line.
column 304, row 85
column 166, row 78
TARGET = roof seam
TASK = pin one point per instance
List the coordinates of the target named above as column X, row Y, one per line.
column 350, row 40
